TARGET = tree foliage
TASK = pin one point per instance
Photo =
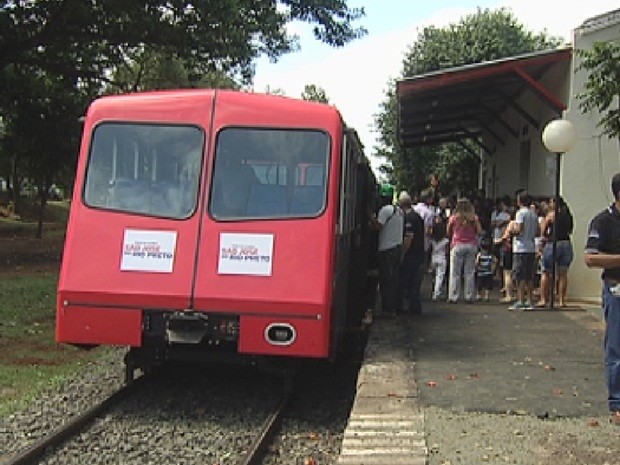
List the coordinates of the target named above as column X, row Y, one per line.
column 41, row 135
column 85, row 39
column 57, row 55
column 314, row 93
column 483, row 36
column 602, row 87
column 157, row 70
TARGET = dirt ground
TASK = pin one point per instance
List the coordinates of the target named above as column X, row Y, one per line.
column 20, row 251
column 29, row 255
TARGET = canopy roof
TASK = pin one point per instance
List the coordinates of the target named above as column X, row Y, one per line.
column 471, row 101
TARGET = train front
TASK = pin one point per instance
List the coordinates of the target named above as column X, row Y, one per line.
column 205, row 227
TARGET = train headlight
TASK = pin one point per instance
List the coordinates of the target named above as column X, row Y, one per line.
column 280, row 334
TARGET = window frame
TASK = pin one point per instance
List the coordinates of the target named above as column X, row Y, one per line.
column 293, row 166
column 111, row 208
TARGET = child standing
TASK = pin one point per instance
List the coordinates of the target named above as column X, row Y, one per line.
column 439, row 257
column 486, row 262
column 505, row 263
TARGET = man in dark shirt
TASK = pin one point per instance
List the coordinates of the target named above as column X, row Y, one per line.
column 413, row 258
column 603, row 251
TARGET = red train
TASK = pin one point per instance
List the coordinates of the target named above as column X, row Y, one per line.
column 210, row 224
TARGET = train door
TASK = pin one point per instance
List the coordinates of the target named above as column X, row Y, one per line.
column 132, row 232
column 265, row 250
column 344, row 238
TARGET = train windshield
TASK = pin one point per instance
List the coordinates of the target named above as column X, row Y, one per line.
column 145, row 169
column 269, row 173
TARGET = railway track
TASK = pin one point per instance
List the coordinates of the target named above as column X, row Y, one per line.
column 48, row 446
column 265, row 437
column 71, row 427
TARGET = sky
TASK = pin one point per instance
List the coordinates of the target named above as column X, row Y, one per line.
column 355, row 77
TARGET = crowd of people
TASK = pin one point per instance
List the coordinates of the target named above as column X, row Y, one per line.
column 470, row 246
column 524, row 244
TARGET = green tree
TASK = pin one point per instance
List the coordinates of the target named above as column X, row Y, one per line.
column 314, row 93
column 602, row 87
column 59, row 54
column 482, row 36
column 157, row 70
column 86, row 39
column 41, row 136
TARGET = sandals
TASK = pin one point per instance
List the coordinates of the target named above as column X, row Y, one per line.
column 615, row 418
column 542, row 305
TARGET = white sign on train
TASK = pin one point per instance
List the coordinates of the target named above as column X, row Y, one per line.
column 245, row 254
column 150, row 251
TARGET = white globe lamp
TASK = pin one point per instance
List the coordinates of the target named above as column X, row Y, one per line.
column 559, row 136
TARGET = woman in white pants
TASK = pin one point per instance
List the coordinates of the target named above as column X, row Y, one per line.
column 439, row 257
column 463, row 229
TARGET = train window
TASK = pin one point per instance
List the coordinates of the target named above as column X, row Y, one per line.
column 144, row 169
column 269, row 173
column 348, row 186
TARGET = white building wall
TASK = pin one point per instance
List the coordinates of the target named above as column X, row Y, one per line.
column 539, row 179
column 587, row 169
column 542, row 181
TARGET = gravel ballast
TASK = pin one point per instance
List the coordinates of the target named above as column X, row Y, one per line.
column 493, row 387
column 187, row 417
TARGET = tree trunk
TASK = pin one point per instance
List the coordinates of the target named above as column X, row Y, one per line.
column 16, row 182
column 42, row 203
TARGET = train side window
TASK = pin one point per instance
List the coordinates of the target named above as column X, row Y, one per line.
column 352, row 157
column 144, row 169
column 269, row 173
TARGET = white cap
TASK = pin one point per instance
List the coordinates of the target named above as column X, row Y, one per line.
column 404, row 197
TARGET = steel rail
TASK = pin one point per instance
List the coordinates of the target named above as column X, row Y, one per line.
column 34, row 453
column 257, row 449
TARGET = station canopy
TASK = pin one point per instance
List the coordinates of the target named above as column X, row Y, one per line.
column 468, row 102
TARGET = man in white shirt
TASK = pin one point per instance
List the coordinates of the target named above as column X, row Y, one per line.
column 390, row 223
column 524, row 252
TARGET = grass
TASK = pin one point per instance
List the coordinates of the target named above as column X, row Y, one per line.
column 54, row 220
column 30, row 359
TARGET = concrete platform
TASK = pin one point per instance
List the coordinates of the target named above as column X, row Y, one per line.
column 470, row 357
column 386, row 425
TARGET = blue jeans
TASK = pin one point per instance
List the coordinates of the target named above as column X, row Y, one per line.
column 611, row 305
column 563, row 255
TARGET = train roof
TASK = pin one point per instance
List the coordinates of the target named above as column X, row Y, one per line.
column 197, row 94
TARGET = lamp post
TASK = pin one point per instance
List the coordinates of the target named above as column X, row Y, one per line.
column 559, row 137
